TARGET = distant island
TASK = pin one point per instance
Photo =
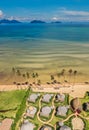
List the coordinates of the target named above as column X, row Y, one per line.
column 6, row 21
column 37, row 21
column 56, row 22
column 14, row 21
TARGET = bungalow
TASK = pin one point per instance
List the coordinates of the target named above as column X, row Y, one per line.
column 31, row 111
column 47, row 97
column 60, row 97
column 33, row 97
column 6, row 124
column 62, row 110
column 45, row 111
column 76, row 105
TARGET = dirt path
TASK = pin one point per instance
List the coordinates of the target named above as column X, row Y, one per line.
column 87, row 118
column 69, row 117
column 38, row 113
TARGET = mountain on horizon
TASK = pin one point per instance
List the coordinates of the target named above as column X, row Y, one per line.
column 6, row 21
column 37, row 21
column 56, row 22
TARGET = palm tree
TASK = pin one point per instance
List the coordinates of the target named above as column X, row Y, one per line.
column 58, row 75
column 24, row 75
column 39, row 82
column 75, row 73
column 27, row 74
column 26, row 83
column 18, row 73
column 33, row 76
column 18, row 85
column 52, row 77
column 13, row 70
column 63, row 74
column 37, row 75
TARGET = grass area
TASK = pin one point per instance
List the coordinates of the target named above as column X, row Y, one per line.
column 11, row 101
column 20, row 112
column 85, row 100
column 86, row 122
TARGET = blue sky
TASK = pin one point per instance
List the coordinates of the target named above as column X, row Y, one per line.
column 27, row 10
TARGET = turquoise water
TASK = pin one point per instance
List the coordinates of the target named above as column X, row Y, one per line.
column 44, row 47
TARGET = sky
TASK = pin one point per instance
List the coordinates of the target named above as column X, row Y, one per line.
column 48, row 10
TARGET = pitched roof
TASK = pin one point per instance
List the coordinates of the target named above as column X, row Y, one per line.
column 45, row 111
column 47, row 97
column 62, row 110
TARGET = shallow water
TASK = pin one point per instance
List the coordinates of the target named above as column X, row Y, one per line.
column 45, row 48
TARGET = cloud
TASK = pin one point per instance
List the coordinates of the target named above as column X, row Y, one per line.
column 1, row 13
column 75, row 13
column 55, row 18
column 71, row 15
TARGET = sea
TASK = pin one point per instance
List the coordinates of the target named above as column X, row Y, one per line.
column 46, row 48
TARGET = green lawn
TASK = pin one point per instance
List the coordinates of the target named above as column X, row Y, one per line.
column 11, row 100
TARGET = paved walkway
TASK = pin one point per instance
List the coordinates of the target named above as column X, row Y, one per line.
column 38, row 113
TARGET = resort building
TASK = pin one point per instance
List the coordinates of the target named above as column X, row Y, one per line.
column 62, row 110
column 6, row 124
column 76, row 105
column 47, row 98
column 31, row 111
column 60, row 97
column 45, row 111
column 27, row 126
column 33, row 97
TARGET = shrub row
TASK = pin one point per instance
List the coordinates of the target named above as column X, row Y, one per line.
column 20, row 111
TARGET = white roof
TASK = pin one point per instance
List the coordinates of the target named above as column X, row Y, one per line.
column 47, row 97
column 46, row 111
column 61, row 97
column 32, row 112
column 33, row 97
column 62, row 110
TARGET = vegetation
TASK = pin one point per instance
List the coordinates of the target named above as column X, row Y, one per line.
column 19, row 106
column 20, row 111
column 10, row 101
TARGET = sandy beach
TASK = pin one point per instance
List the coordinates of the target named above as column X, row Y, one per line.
column 77, row 90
